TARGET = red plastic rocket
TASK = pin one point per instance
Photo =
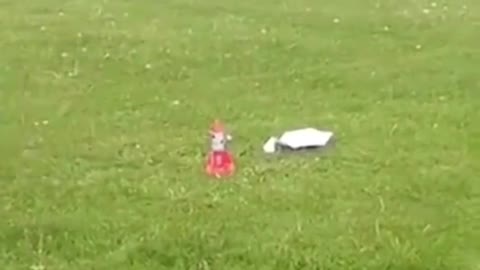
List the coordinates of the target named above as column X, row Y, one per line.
column 220, row 162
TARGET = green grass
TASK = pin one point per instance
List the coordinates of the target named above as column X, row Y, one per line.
column 105, row 108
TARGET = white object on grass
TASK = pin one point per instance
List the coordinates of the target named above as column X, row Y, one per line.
column 270, row 145
column 307, row 137
column 299, row 139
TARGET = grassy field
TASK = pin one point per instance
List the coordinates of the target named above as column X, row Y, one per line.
column 105, row 108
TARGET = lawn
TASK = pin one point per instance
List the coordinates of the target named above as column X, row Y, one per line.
column 105, row 108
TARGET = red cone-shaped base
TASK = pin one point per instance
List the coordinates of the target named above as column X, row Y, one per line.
column 220, row 164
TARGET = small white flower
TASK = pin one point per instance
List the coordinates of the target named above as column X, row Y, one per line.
column 176, row 102
column 386, row 28
column 433, row 4
column 418, row 47
column 64, row 55
column 426, row 11
column 36, row 123
column 264, row 31
column 45, row 122
column 148, row 66
column 336, row 20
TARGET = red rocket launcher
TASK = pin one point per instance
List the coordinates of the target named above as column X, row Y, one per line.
column 220, row 162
